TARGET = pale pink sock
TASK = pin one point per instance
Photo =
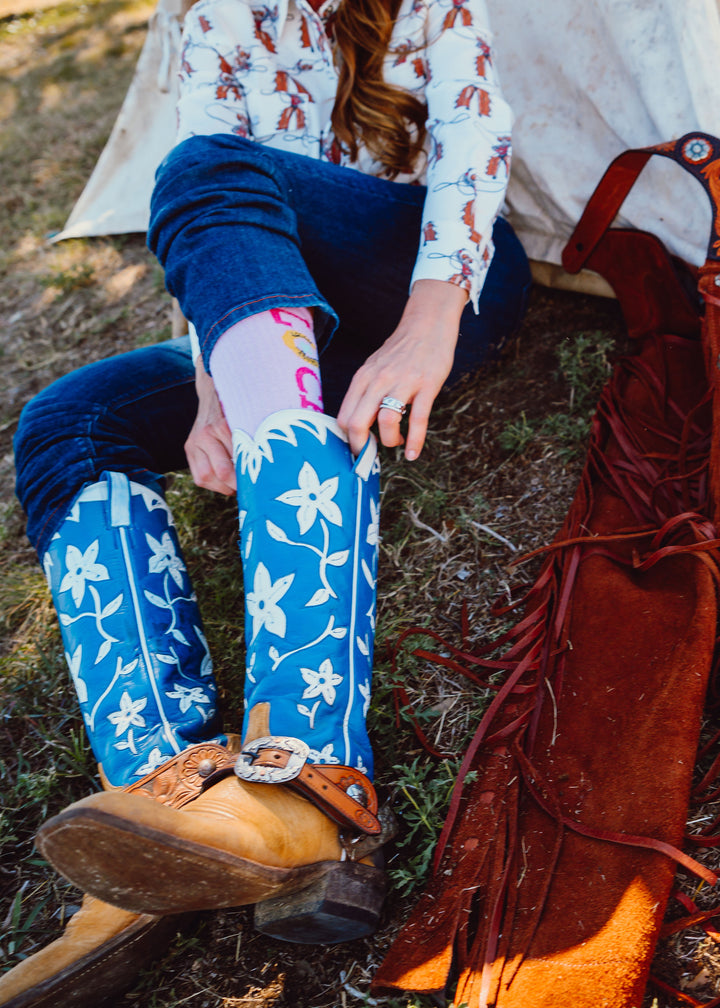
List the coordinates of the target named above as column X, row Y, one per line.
column 265, row 363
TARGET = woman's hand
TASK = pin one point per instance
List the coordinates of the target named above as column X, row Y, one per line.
column 411, row 366
column 209, row 446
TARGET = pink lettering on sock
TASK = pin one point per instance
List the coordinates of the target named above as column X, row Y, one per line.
column 309, row 398
column 284, row 316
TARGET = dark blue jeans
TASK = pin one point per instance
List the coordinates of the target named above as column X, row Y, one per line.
column 240, row 228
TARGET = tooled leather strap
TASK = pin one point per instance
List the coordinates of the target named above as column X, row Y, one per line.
column 341, row 792
column 698, row 153
column 181, row 779
column 334, row 789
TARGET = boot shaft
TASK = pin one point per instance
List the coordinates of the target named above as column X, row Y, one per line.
column 131, row 628
column 309, row 519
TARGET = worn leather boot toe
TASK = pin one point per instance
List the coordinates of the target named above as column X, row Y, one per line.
column 99, row 955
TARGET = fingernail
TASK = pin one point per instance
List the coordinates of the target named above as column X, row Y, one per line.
column 411, row 455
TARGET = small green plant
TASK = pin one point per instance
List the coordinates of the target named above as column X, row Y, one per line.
column 517, row 435
column 73, row 278
column 585, row 366
column 571, row 433
column 421, row 800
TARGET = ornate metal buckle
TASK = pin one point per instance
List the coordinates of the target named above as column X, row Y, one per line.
column 247, row 770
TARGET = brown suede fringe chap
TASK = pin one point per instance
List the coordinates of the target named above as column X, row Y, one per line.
column 555, row 866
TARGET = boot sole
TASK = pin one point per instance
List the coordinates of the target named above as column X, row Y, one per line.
column 148, row 871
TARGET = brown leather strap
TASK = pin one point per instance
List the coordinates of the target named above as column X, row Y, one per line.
column 709, row 289
column 698, row 153
column 330, row 787
column 181, row 779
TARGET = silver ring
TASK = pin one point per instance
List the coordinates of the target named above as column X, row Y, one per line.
column 393, row 404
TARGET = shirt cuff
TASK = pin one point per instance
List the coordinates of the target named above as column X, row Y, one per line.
column 194, row 343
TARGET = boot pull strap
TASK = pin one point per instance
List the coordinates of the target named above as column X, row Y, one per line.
column 119, row 499
column 697, row 153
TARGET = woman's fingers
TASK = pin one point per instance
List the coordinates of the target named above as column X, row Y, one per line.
column 210, row 462
column 407, row 371
column 354, row 417
column 418, row 425
column 209, row 446
column 389, row 419
column 363, row 406
column 359, row 411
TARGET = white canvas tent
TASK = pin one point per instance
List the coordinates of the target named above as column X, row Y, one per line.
column 116, row 198
column 586, row 78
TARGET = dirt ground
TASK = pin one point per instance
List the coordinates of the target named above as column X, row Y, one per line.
column 65, row 305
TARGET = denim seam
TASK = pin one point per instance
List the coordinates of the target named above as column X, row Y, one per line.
column 153, row 390
column 64, row 504
column 386, row 197
column 99, row 410
column 354, row 180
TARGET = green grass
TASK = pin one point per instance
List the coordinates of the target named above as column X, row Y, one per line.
column 584, row 365
column 67, row 280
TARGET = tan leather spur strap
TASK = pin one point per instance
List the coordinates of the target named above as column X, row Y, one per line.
column 344, row 794
column 341, row 792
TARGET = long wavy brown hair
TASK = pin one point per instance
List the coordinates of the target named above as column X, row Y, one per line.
column 387, row 119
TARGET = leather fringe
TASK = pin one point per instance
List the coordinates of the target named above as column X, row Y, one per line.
column 582, row 762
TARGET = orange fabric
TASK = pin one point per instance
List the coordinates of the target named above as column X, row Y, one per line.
column 619, row 705
column 531, row 905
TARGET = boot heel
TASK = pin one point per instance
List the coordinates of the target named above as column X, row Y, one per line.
column 342, row 905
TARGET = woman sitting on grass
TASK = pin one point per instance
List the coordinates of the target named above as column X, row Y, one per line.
column 330, row 158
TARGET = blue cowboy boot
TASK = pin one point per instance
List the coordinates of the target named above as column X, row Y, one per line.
column 291, row 823
column 131, row 629
column 309, row 541
column 140, row 663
